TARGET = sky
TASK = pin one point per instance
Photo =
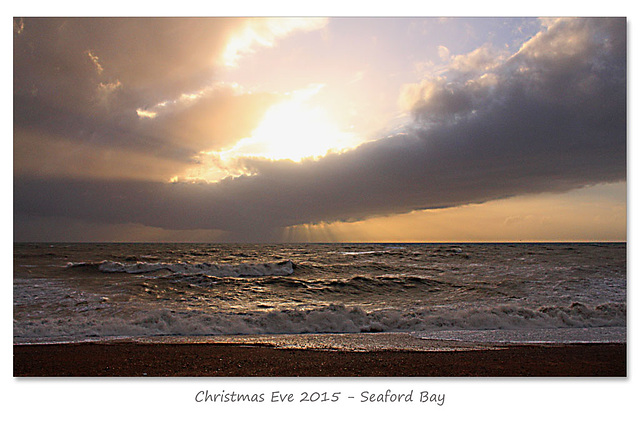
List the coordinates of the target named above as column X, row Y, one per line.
column 319, row 129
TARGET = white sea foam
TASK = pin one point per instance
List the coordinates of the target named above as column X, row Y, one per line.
column 329, row 319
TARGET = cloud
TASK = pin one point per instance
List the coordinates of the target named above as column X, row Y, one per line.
column 437, row 99
column 481, row 59
column 550, row 118
column 444, row 53
column 50, row 157
column 153, row 58
column 215, row 118
column 265, row 32
column 85, row 84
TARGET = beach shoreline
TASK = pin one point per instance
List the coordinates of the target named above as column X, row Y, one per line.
column 127, row 358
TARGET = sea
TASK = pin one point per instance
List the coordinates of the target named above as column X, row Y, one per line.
column 167, row 292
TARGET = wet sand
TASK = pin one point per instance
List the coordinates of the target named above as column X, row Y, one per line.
column 239, row 359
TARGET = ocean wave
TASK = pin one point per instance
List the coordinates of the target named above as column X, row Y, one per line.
column 355, row 253
column 282, row 268
column 330, row 319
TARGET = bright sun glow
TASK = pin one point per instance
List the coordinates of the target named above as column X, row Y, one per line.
column 294, row 129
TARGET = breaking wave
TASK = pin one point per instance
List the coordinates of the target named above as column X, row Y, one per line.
column 329, row 319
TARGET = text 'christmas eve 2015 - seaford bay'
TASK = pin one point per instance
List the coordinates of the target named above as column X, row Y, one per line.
column 277, row 396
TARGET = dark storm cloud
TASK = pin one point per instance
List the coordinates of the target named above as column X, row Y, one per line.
column 550, row 118
column 79, row 82
column 154, row 58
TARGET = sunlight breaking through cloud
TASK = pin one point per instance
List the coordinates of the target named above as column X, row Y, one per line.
column 265, row 32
